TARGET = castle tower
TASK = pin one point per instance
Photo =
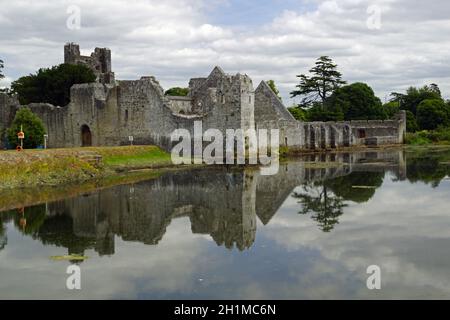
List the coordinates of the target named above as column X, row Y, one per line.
column 71, row 53
column 99, row 61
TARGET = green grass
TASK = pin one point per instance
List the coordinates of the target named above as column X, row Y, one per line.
column 52, row 167
column 140, row 158
column 439, row 136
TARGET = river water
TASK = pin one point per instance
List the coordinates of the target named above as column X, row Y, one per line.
column 309, row 232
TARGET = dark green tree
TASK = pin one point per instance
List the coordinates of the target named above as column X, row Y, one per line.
column 52, row 85
column 318, row 113
column 177, row 91
column 411, row 122
column 414, row 96
column 32, row 127
column 274, row 88
column 356, row 101
column 391, row 108
column 320, row 84
column 432, row 113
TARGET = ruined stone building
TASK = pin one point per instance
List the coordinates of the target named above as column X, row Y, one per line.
column 107, row 112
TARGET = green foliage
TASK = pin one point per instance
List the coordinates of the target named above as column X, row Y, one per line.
column 52, row 85
column 391, row 108
column 432, row 113
column 439, row 136
column 414, row 96
column 1, row 67
column 32, row 127
column 411, row 122
column 317, row 87
column 298, row 112
column 319, row 113
column 274, row 88
column 418, row 138
column 177, row 91
column 356, row 101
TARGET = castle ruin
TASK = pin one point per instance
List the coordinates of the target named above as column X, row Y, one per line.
column 109, row 111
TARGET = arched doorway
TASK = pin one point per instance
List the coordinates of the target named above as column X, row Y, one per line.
column 86, row 136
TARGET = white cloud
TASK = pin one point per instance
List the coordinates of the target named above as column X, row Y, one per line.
column 176, row 40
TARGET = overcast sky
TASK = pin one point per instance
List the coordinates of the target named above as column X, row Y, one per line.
column 389, row 44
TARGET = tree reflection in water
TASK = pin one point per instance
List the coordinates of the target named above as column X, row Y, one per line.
column 326, row 200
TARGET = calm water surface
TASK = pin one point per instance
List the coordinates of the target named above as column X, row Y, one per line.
column 309, row 232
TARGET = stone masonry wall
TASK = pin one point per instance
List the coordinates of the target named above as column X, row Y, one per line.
column 111, row 112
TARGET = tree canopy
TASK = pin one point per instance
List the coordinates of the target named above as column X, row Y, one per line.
column 425, row 107
column 320, row 84
column 177, row 91
column 414, row 96
column 52, row 85
column 356, row 101
column 31, row 125
column 432, row 113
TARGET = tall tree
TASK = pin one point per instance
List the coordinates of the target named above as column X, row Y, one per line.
column 320, row 84
column 274, row 88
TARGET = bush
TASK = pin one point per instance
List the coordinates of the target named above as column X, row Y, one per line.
column 32, row 127
column 418, row 138
column 441, row 136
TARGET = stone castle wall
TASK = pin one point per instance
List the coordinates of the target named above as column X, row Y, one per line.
column 8, row 107
column 271, row 114
column 108, row 112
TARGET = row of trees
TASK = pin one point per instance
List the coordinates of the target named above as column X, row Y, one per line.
column 326, row 97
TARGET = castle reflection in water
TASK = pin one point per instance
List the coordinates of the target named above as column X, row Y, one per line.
column 224, row 203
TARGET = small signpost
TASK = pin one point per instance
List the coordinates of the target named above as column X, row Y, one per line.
column 45, row 140
column 21, row 136
column 131, row 139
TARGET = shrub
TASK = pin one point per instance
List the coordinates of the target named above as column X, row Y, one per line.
column 32, row 127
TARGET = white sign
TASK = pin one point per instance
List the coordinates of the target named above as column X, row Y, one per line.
column 130, row 138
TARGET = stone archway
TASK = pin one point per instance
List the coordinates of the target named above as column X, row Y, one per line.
column 86, row 136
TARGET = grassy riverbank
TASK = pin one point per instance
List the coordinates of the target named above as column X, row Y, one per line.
column 438, row 136
column 32, row 168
